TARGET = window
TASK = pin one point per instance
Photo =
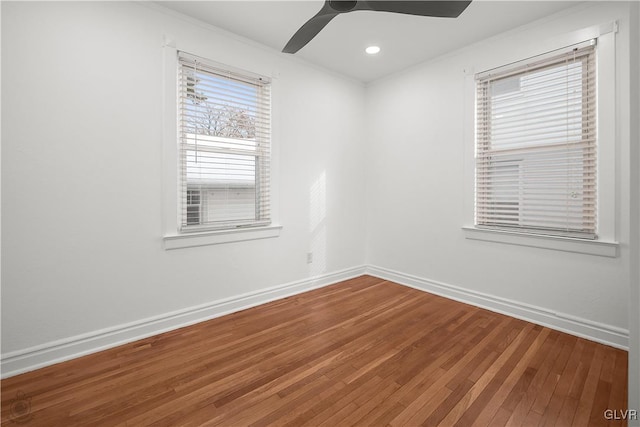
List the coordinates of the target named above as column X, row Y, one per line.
column 193, row 207
column 224, row 130
column 536, row 146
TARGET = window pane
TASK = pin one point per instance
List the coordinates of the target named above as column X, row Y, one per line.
column 220, row 168
column 220, row 107
column 540, row 108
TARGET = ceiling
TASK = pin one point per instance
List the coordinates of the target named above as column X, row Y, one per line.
column 405, row 40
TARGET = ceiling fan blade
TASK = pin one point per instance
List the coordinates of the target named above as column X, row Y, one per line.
column 332, row 8
column 310, row 29
column 440, row 9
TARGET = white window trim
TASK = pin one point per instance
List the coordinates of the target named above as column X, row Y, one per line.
column 173, row 238
column 559, row 243
column 188, row 240
column 606, row 244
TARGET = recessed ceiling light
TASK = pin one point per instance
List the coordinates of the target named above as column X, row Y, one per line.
column 372, row 50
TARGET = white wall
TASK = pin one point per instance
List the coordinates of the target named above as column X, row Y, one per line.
column 416, row 185
column 82, row 172
column 634, row 300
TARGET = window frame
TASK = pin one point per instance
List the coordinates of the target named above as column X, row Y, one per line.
column 173, row 236
column 607, row 201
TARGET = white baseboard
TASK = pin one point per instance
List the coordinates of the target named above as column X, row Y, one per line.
column 606, row 334
column 29, row 359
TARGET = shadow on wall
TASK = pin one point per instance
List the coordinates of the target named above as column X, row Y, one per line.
column 317, row 226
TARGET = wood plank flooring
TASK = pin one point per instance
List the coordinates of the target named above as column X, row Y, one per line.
column 362, row 352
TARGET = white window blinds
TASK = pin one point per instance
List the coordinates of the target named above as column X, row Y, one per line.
column 224, row 146
column 536, row 146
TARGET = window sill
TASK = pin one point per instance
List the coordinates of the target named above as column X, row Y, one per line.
column 189, row 240
column 566, row 244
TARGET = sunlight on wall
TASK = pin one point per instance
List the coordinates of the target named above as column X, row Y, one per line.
column 317, row 225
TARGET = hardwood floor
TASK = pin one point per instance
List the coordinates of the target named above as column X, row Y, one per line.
column 361, row 352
